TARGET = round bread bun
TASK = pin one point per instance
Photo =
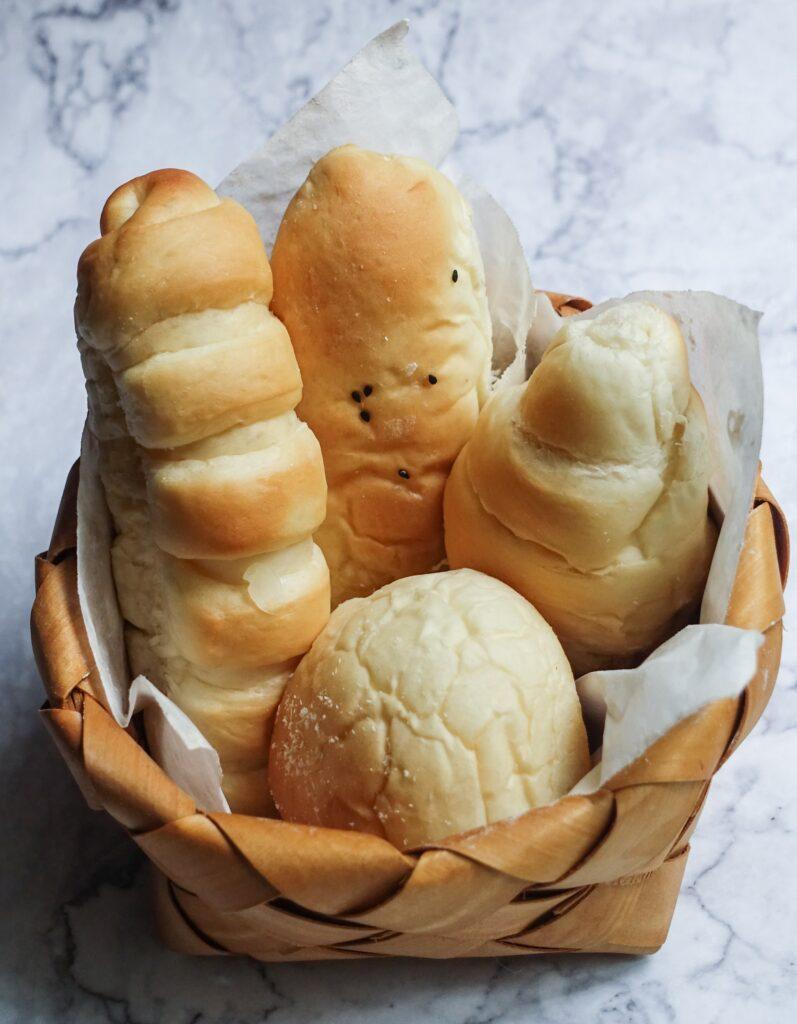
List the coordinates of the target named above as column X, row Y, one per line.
column 438, row 704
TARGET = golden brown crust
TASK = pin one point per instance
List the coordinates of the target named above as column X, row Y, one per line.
column 223, row 384
column 198, row 253
column 192, row 384
column 154, row 197
column 232, row 506
column 394, row 353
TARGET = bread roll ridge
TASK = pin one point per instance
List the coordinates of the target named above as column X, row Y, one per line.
column 379, row 280
column 587, row 487
column 214, row 484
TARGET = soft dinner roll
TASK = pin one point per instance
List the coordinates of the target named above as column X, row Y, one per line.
column 436, row 705
column 379, row 280
column 215, row 486
column 586, row 489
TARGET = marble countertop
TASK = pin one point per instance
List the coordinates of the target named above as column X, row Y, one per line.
column 635, row 145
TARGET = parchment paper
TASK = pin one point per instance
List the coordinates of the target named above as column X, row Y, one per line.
column 385, row 100
column 696, row 666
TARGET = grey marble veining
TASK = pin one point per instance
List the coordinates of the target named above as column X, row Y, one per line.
column 635, row 145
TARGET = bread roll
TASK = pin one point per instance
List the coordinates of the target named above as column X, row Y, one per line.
column 439, row 704
column 379, row 280
column 214, row 485
column 586, row 489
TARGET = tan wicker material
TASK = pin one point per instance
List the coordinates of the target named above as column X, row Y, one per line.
column 596, row 873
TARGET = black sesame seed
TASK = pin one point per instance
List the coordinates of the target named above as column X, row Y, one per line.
column 432, row 379
column 365, row 415
column 367, row 390
column 404, row 474
column 356, row 396
column 455, row 276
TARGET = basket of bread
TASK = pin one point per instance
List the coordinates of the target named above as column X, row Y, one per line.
column 395, row 608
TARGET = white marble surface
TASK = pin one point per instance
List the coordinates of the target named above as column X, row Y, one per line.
column 636, row 145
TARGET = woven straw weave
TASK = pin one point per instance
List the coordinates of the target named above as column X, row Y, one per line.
column 596, row 873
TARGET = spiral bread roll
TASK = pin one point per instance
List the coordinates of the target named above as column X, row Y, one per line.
column 214, row 484
column 439, row 704
column 586, row 488
column 379, row 280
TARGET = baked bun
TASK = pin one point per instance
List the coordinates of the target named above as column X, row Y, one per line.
column 586, row 489
column 214, row 484
column 379, row 280
column 439, row 704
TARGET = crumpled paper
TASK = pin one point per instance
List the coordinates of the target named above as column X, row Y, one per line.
column 384, row 99
column 699, row 665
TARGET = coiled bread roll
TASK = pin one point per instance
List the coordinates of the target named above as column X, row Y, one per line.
column 379, row 280
column 438, row 704
column 215, row 486
column 586, row 488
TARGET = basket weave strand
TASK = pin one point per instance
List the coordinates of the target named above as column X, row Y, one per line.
column 598, row 873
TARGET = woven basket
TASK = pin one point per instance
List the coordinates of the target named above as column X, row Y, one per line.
column 597, row 873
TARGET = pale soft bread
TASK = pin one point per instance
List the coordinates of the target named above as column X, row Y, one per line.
column 214, row 485
column 439, row 704
column 586, row 489
column 233, row 709
column 379, row 280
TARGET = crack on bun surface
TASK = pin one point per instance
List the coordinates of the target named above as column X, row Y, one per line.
column 439, row 704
